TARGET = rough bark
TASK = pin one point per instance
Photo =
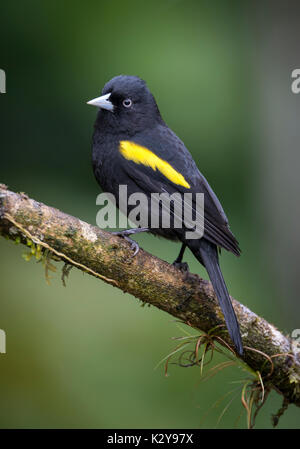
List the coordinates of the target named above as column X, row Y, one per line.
column 152, row 280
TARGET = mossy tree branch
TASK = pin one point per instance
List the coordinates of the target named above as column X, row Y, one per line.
column 152, row 280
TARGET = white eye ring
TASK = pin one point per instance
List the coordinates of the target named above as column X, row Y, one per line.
column 127, row 103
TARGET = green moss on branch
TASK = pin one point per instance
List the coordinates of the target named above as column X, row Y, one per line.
column 152, row 280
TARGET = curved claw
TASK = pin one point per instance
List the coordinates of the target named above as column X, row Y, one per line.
column 133, row 244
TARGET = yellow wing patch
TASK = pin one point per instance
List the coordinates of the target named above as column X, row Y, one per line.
column 141, row 155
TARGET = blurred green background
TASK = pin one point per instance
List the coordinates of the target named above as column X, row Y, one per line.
column 85, row 355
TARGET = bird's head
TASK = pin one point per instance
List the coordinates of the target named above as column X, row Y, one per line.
column 126, row 104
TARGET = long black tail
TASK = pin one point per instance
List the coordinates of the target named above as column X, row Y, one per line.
column 207, row 254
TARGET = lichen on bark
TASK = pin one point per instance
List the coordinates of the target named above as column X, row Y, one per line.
column 154, row 281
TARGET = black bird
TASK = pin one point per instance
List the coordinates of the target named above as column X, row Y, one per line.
column 133, row 146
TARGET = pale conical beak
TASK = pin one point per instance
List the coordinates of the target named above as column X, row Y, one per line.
column 102, row 102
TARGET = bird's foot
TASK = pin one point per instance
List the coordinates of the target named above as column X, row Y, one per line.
column 182, row 266
column 133, row 244
column 127, row 232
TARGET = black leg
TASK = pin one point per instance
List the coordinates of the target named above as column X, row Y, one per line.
column 134, row 245
column 180, row 255
column 182, row 266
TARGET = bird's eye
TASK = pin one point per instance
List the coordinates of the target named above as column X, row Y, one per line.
column 127, row 103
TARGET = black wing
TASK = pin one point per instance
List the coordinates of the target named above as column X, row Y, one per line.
column 170, row 148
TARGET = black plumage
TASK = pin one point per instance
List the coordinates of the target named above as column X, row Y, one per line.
column 128, row 112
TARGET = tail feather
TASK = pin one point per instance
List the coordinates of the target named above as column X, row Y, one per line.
column 207, row 254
